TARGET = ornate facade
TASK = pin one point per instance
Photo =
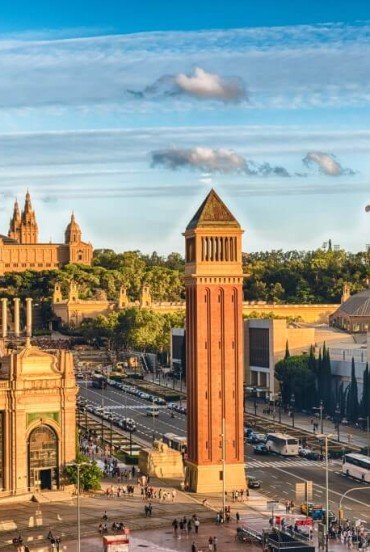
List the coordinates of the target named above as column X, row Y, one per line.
column 37, row 419
column 20, row 249
column 37, row 412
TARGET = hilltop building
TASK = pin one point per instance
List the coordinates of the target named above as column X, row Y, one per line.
column 20, row 250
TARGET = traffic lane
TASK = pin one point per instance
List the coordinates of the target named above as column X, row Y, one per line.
column 131, row 400
column 357, row 502
column 280, row 483
column 146, row 426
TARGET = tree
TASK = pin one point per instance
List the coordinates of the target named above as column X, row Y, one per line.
column 365, row 401
column 352, row 397
column 296, row 377
column 287, row 353
column 90, row 474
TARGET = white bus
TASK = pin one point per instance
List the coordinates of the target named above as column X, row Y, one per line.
column 175, row 441
column 357, row 466
column 283, row 444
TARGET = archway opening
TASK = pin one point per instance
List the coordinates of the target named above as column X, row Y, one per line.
column 43, row 458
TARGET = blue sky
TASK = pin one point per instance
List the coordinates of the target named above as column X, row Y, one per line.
column 129, row 114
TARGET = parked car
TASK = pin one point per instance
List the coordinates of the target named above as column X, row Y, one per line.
column 261, row 448
column 312, row 455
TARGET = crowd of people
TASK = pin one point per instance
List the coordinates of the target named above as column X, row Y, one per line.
column 350, row 535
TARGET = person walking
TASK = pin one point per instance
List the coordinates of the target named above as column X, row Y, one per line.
column 215, row 541
column 196, row 525
column 193, row 547
column 237, row 516
column 175, row 526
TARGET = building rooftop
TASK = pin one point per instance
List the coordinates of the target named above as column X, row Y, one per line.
column 357, row 305
column 213, row 212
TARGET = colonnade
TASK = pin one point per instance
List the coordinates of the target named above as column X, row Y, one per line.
column 16, row 317
column 219, row 249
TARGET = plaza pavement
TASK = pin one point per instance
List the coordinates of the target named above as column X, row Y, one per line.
column 35, row 520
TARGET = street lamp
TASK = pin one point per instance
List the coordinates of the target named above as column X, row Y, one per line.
column 337, row 419
column 255, row 400
column 367, row 424
column 346, row 493
column 279, row 399
column 78, row 465
column 292, row 405
column 326, row 437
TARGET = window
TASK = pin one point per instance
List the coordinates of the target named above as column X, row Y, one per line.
column 259, row 348
column 190, row 250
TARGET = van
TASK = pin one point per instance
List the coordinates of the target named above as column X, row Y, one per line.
column 152, row 411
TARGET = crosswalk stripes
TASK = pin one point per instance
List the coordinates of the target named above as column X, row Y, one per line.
column 287, row 463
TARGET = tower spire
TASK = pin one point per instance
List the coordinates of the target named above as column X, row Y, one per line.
column 28, row 228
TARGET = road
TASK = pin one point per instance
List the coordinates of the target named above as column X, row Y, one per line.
column 278, row 475
column 132, row 407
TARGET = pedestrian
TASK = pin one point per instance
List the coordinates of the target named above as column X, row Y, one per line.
column 210, row 543
column 196, row 525
column 215, row 541
column 175, row 526
column 193, row 547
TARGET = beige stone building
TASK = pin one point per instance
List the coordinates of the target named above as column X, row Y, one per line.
column 71, row 310
column 37, row 410
column 265, row 343
column 20, row 250
column 37, row 414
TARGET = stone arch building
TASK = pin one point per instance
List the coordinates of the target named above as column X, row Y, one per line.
column 37, row 419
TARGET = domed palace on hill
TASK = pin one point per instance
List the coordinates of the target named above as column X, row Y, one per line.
column 353, row 315
column 20, row 250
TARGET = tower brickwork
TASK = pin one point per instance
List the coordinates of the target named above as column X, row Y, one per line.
column 214, row 348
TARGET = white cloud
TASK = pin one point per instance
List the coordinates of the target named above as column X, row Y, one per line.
column 211, row 86
column 326, row 163
column 200, row 158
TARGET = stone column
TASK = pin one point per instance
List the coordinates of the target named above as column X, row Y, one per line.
column 29, row 317
column 4, row 313
column 16, row 317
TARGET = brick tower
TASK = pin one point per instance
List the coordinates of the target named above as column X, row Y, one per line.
column 214, row 348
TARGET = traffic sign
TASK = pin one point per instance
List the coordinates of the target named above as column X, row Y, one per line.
column 300, row 491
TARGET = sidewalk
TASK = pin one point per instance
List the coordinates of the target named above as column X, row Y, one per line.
column 347, row 434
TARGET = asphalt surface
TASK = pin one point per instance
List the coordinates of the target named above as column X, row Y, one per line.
column 124, row 404
column 278, row 475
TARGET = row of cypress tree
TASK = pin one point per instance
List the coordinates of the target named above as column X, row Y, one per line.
column 310, row 380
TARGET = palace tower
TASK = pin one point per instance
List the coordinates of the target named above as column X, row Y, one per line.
column 214, row 348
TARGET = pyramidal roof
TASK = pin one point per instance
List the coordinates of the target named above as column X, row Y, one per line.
column 213, row 212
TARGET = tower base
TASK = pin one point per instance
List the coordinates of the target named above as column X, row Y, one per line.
column 208, row 478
